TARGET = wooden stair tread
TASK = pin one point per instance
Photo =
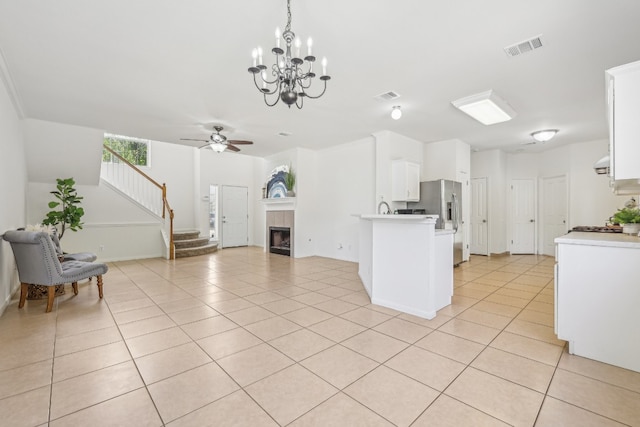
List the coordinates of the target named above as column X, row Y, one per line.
column 186, row 235
column 197, row 250
column 191, row 243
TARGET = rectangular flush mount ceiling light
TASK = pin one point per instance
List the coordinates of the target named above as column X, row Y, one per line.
column 486, row 107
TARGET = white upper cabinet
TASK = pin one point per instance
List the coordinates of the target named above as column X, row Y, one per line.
column 623, row 99
column 405, row 181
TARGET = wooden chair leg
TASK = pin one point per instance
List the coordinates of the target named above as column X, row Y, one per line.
column 51, row 293
column 99, row 282
column 75, row 288
column 24, row 289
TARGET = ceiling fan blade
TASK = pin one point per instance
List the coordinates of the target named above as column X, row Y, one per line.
column 189, row 139
column 232, row 148
column 204, row 146
column 239, row 142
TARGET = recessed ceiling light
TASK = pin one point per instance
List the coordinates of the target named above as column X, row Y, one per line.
column 544, row 135
column 486, row 107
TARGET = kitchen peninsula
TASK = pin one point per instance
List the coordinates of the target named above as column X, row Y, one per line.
column 596, row 296
column 405, row 263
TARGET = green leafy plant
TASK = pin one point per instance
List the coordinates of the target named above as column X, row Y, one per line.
column 290, row 179
column 627, row 216
column 69, row 213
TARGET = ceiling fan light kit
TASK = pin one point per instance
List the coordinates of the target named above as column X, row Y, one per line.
column 292, row 75
column 220, row 143
column 486, row 107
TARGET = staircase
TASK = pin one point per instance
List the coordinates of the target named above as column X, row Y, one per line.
column 189, row 243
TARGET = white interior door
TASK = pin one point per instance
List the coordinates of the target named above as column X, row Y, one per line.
column 479, row 215
column 235, row 216
column 554, row 211
column 523, row 216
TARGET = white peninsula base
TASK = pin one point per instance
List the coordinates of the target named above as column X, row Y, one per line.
column 405, row 263
column 597, row 295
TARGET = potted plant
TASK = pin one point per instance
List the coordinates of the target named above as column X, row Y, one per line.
column 290, row 182
column 69, row 213
column 629, row 218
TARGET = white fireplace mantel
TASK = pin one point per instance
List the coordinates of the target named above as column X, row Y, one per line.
column 280, row 204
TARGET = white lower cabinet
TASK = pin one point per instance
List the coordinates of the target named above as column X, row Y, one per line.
column 597, row 297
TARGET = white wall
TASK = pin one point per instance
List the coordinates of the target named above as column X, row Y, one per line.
column 13, row 182
column 392, row 146
column 591, row 202
column 492, row 165
column 224, row 169
column 345, row 187
column 307, row 214
column 53, row 151
column 309, row 207
column 451, row 159
column 173, row 164
column 115, row 227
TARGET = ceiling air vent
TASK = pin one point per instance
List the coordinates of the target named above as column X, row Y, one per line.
column 387, row 96
column 524, row 46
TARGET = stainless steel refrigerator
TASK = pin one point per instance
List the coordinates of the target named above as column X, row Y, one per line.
column 442, row 198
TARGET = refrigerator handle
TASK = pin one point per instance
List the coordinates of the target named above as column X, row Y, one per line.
column 456, row 220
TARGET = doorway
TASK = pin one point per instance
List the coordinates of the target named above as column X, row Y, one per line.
column 213, row 209
column 479, row 215
column 235, row 216
column 523, row 216
column 554, row 211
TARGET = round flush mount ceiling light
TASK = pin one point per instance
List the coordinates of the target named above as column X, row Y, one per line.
column 396, row 112
column 544, row 135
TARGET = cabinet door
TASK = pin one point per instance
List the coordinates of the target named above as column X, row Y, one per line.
column 405, row 181
column 413, row 182
column 625, row 149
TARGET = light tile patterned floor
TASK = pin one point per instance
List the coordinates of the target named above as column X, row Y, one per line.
column 243, row 338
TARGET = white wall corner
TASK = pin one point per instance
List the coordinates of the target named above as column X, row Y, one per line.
column 10, row 86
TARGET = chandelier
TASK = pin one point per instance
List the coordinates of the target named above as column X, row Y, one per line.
column 291, row 75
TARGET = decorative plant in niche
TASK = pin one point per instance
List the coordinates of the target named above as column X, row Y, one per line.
column 290, row 181
column 69, row 212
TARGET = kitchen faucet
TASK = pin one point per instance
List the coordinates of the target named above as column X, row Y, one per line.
column 385, row 204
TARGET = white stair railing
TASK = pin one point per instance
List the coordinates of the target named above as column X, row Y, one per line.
column 137, row 185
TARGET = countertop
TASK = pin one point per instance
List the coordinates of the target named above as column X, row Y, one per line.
column 616, row 240
column 398, row 217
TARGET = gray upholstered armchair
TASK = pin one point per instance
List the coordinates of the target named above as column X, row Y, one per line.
column 38, row 264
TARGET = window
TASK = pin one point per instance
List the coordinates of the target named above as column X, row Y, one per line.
column 134, row 150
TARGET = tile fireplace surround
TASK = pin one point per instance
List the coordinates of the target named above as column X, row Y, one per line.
column 281, row 218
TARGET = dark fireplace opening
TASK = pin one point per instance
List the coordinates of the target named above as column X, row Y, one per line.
column 280, row 240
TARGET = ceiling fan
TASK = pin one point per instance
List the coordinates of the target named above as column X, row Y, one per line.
column 220, row 143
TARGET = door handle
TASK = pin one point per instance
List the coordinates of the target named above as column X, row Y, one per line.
column 532, row 220
column 484, row 220
column 564, row 221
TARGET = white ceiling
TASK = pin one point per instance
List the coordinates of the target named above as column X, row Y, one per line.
column 164, row 70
